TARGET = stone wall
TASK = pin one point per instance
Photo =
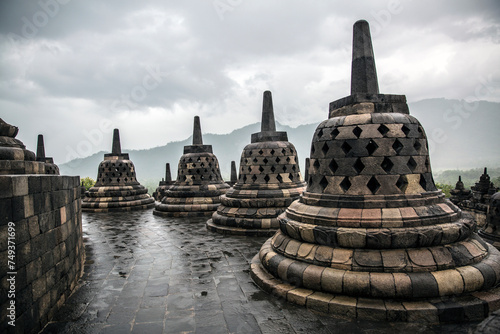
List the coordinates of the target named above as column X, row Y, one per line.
column 44, row 216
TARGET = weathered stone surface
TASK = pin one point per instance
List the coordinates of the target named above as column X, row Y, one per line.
column 116, row 187
column 269, row 179
column 390, row 245
column 199, row 184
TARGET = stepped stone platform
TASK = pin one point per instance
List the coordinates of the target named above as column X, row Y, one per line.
column 372, row 237
column 199, row 184
column 117, row 188
column 269, row 181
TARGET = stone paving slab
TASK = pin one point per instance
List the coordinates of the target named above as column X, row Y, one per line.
column 149, row 274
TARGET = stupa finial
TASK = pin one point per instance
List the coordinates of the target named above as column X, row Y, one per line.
column 234, row 175
column 197, row 138
column 116, row 148
column 168, row 176
column 363, row 71
column 268, row 123
column 40, row 148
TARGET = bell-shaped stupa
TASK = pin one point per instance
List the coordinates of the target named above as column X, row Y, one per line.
column 117, row 188
column 196, row 193
column 50, row 166
column 164, row 184
column 14, row 157
column 269, row 181
column 372, row 237
column 491, row 231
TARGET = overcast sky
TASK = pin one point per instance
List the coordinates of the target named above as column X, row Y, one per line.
column 73, row 69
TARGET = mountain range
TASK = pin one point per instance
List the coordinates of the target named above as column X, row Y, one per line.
column 461, row 135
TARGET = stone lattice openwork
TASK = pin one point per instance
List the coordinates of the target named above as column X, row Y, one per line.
column 372, row 237
column 116, row 187
column 164, row 184
column 491, row 231
column 196, row 193
column 269, row 181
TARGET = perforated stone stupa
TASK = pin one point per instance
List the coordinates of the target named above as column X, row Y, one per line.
column 164, row 184
column 372, row 237
column 116, row 187
column 269, row 181
column 491, row 231
column 199, row 184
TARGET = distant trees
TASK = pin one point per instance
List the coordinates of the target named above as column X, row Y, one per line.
column 445, row 188
column 87, row 182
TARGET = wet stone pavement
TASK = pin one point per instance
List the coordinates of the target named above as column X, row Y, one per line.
column 149, row 274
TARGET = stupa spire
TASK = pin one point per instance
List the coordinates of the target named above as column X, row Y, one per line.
column 197, row 138
column 116, row 149
column 234, row 175
column 363, row 71
column 268, row 123
column 40, row 148
column 168, row 176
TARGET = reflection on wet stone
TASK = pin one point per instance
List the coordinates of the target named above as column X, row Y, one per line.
column 147, row 274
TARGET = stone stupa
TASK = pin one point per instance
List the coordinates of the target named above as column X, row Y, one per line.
column 459, row 194
column 116, row 187
column 199, row 184
column 491, row 231
column 164, row 184
column 50, row 166
column 371, row 237
column 269, row 181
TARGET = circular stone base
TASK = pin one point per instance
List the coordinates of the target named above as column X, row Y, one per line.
column 470, row 307
column 120, row 209
column 227, row 230
column 182, row 214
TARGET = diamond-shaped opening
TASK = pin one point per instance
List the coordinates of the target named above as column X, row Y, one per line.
column 265, row 160
column 273, row 169
column 412, row 164
column 249, row 169
column 373, row 185
column 383, row 129
column 323, row 183
column 316, row 164
column 294, row 168
column 402, row 183
column 202, row 177
column 261, row 152
column 420, row 130
column 320, row 133
column 359, row 166
column 246, row 161
column 397, row 146
column 312, row 149
column 210, row 177
column 190, row 160
column 197, row 171
column 288, row 159
column 387, row 165
column 283, row 151
column 272, row 152
column 417, row 146
column 325, row 148
column 291, row 151
column 371, row 147
column 202, row 164
column 346, row 147
column 255, row 160
column 335, row 132
column 423, row 182
column 284, row 168
column 267, row 178
column 199, row 159
column 261, row 169
column 290, row 176
column 254, row 178
column 333, row 166
column 250, row 152
column 405, row 130
column 357, row 131
column 278, row 160
column 279, row 178
column 345, row 184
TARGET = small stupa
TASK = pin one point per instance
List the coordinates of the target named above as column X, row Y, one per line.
column 199, row 184
column 269, row 181
column 116, row 187
column 14, row 157
column 372, row 237
column 164, row 184
column 50, row 166
column 459, row 194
